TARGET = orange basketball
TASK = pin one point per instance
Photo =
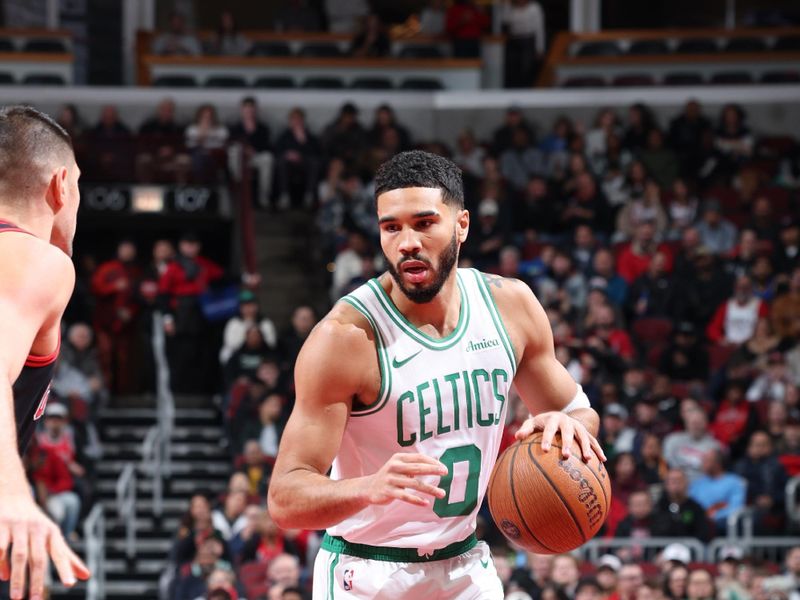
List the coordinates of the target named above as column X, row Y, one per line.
column 544, row 503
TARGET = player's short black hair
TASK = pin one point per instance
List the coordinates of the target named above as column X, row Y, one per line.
column 421, row 169
column 16, row 121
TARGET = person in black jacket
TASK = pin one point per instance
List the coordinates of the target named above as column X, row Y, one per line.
column 254, row 137
column 685, row 359
column 677, row 515
column 298, row 158
column 766, row 481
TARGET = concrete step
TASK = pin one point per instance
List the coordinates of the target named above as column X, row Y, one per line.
column 115, row 590
column 178, row 488
column 112, row 469
column 180, row 433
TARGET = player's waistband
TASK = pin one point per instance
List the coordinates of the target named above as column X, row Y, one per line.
column 339, row 545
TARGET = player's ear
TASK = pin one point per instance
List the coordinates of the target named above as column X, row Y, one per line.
column 462, row 225
column 57, row 189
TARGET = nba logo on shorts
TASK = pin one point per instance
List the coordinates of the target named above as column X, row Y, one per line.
column 347, row 580
column 42, row 405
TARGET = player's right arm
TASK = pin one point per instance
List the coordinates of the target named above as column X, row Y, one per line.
column 36, row 287
column 337, row 364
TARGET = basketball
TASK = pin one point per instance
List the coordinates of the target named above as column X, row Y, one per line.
column 544, row 503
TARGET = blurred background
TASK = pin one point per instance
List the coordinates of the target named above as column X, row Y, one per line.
column 636, row 164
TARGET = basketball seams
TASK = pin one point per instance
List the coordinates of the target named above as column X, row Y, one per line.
column 558, row 492
column 516, row 504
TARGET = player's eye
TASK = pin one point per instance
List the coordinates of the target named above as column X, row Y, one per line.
column 424, row 223
column 391, row 228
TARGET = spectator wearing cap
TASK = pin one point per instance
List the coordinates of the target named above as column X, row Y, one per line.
column 236, row 328
column 685, row 358
column 728, row 567
column 298, row 156
column 785, row 311
column 676, row 514
column 716, row 233
column 605, row 275
column 115, row 284
column 686, row 449
column 734, row 418
column 488, row 236
column 735, row 320
column 608, row 567
column 766, row 483
column 503, row 136
column 187, row 277
column 55, row 469
column 719, row 492
column 636, row 256
column 615, row 435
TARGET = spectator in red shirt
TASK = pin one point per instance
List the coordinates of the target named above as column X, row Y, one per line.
column 465, row 23
column 635, row 258
column 267, row 542
column 115, row 284
column 180, row 287
column 608, row 338
column 734, row 419
column 735, row 320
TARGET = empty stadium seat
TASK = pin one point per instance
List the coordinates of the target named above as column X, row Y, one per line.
column 181, row 81
column 746, row 44
column 419, row 51
column 780, row 77
column 633, row 80
column 6, row 45
column 6, row 78
column 599, row 49
column 321, row 50
column 421, row 83
column 683, row 79
column 732, row 78
column 696, row 46
column 44, row 45
column 274, row 82
column 226, row 81
column 324, row 83
column 43, row 79
column 789, row 43
column 587, row 81
column 270, row 49
column 648, row 47
column 372, row 83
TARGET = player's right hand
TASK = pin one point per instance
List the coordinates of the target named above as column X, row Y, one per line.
column 33, row 537
column 397, row 480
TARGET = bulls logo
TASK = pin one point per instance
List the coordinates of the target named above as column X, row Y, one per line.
column 42, row 404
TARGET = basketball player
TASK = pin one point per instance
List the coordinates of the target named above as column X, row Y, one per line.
column 38, row 212
column 403, row 387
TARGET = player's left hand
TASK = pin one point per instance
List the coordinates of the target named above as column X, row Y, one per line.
column 571, row 429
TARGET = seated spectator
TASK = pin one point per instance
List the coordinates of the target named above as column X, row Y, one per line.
column 700, row 585
column 303, row 320
column 257, row 467
column 788, row 250
column 682, row 209
column 734, row 419
column 651, row 465
column 254, row 136
column 719, row 492
column 647, row 207
column 735, row 319
column 675, row 581
column 465, row 23
column 55, row 470
column 298, row 15
column 565, row 574
column 676, row 514
column 197, row 528
column 686, row 449
column 177, row 41
column 536, row 214
column 236, row 328
column 785, row 311
column 636, row 256
column 228, row 40
column 271, row 427
column 630, row 579
column 652, row 293
column 345, row 137
column 660, row 160
column 586, row 206
column 766, row 484
column 160, row 155
column 372, row 41
column 603, row 272
column 757, row 350
column 110, row 158
column 686, row 132
column 192, row 577
column 563, row 283
column 351, row 204
column 386, row 120
column 732, row 138
column 773, row 383
column 230, row 519
column 469, row 154
column 432, row 18
column 521, row 161
column 582, row 249
column 267, row 542
column 523, row 21
column 637, row 525
column 345, row 15
column 206, row 138
column 348, row 264
column 298, row 158
column 685, row 358
column 488, row 236
column 608, row 342
column 716, row 233
column 283, row 573
column 503, row 136
column 79, row 354
column 762, row 275
column 640, row 122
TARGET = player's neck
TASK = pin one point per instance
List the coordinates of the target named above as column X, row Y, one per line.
column 441, row 313
column 40, row 225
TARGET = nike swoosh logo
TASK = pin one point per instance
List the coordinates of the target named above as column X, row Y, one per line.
column 399, row 363
column 485, row 564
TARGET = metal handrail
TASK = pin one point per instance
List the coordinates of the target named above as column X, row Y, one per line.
column 766, row 547
column 94, row 532
column 126, row 506
column 743, row 515
column 792, row 505
column 593, row 549
column 152, row 464
column 156, row 449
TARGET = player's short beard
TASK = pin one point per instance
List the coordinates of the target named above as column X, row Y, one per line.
column 423, row 295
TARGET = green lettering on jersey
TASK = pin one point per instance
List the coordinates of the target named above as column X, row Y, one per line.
column 423, row 434
column 488, row 419
column 496, row 374
column 440, row 427
column 453, row 379
column 401, row 440
column 469, row 400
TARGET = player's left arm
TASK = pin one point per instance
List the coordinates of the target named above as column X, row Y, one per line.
column 557, row 403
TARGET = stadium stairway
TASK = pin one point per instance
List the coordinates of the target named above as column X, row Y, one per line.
column 199, row 463
column 288, row 261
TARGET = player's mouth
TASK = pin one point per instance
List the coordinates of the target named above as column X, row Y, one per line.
column 415, row 271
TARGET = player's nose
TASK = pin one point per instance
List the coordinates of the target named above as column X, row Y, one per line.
column 409, row 242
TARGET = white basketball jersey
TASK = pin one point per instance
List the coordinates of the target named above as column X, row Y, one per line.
column 445, row 398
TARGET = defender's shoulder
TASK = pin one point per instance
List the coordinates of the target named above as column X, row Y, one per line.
column 35, row 266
